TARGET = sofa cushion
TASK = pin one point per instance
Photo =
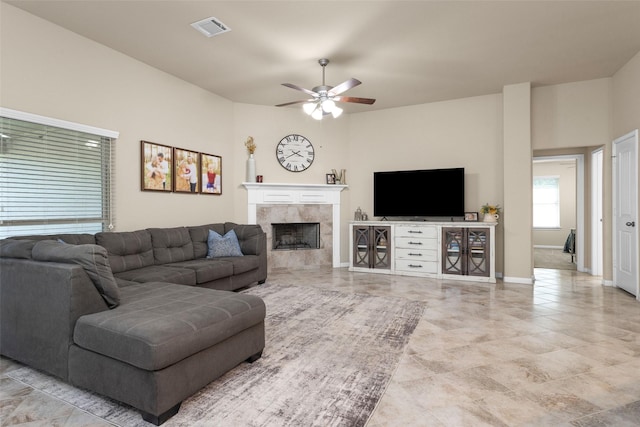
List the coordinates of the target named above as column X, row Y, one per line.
column 92, row 258
column 10, row 248
column 223, row 246
column 157, row 273
column 171, row 244
column 200, row 235
column 159, row 324
column 207, row 270
column 127, row 250
column 243, row 264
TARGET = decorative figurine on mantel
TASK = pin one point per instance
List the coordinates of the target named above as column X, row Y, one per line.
column 251, row 162
column 341, row 178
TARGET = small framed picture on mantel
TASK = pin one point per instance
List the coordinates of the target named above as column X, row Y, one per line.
column 331, row 178
column 471, row 216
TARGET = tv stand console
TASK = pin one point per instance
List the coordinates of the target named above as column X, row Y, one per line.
column 460, row 250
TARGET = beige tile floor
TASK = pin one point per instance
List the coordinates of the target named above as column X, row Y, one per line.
column 564, row 352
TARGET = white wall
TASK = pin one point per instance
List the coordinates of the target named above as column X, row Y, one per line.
column 626, row 98
column 459, row 133
column 574, row 114
column 50, row 71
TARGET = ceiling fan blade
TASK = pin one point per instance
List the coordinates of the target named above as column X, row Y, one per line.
column 354, row 99
column 344, row 86
column 307, row 91
column 296, row 102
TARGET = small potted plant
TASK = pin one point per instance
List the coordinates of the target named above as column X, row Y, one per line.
column 491, row 212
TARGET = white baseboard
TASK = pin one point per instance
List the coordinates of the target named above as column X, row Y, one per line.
column 521, row 280
column 547, row 247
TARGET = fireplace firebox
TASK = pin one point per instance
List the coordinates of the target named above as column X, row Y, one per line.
column 295, row 236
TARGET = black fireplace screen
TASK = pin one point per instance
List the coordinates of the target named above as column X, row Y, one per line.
column 296, row 235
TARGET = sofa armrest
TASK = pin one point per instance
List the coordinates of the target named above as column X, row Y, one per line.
column 253, row 241
column 40, row 303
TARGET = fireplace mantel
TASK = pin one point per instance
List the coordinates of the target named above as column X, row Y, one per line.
column 297, row 194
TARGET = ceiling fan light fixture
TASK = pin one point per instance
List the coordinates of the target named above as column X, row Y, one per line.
column 309, row 107
column 317, row 113
column 328, row 105
column 325, row 97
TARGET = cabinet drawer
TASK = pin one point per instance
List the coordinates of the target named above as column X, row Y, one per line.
column 417, row 254
column 423, row 231
column 416, row 243
column 413, row 266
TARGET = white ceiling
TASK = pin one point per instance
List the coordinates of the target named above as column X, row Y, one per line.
column 404, row 52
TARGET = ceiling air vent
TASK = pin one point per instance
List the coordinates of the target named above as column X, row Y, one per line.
column 210, row 27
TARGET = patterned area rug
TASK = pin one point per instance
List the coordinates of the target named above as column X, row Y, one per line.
column 328, row 359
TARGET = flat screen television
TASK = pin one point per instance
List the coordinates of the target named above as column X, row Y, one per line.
column 418, row 194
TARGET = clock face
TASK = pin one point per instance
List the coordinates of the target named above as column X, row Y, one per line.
column 295, row 153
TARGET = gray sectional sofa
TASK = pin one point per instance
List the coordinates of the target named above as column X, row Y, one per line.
column 143, row 317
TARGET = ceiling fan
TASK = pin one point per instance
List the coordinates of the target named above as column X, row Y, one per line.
column 324, row 98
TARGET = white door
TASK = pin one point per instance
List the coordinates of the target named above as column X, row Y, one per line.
column 596, row 212
column 625, row 202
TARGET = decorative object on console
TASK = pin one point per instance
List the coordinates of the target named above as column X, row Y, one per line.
column 211, row 174
column 358, row 215
column 157, row 172
column 324, row 98
column 341, row 178
column 491, row 213
column 295, row 153
column 251, row 162
column 471, row 216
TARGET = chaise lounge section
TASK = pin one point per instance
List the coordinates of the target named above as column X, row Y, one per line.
column 150, row 331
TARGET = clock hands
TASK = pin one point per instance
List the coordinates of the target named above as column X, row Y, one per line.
column 295, row 153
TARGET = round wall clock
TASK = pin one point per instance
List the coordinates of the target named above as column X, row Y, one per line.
column 295, row 153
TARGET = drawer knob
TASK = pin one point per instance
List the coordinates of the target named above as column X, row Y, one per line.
column 414, row 254
column 415, row 266
column 415, row 232
column 415, row 243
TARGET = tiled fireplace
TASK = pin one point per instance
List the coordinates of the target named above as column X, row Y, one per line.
column 310, row 210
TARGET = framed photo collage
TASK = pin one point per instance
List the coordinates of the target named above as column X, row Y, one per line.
column 172, row 169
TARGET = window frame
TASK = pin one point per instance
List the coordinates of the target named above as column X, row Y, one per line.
column 555, row 204
column 107, row 136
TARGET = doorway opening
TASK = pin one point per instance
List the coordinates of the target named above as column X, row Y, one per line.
column 558, row 233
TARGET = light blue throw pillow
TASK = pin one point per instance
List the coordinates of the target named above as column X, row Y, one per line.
column 220, row 246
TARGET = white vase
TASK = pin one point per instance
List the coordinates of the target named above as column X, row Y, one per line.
column 490, row 217
column 251, row 169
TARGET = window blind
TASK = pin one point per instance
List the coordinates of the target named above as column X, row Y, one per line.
column 53, row 179
column 546, row 201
